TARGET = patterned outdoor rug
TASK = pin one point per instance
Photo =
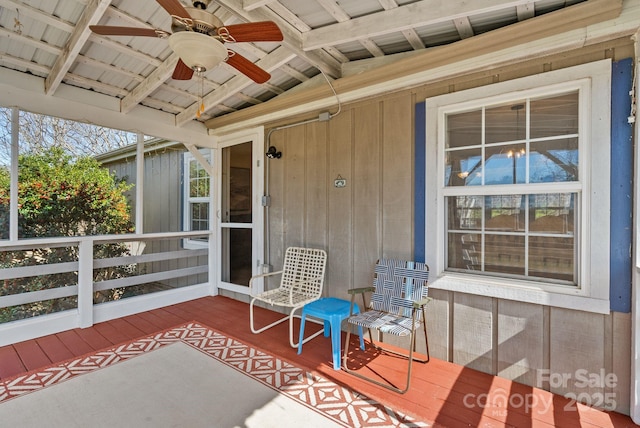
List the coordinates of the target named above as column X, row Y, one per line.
column 195, row 376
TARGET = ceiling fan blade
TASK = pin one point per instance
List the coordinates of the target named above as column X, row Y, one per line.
column 182, row 71
column 247, row 68
column 107, row 30
column 263, row 31
column 174, row 8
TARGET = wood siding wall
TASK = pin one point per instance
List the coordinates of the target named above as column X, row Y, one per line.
column 371, row 145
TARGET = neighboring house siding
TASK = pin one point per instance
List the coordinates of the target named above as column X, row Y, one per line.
column 162, row 205
column 371, row 145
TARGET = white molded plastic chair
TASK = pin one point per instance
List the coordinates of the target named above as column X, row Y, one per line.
column 397, row 307
column 302, row 278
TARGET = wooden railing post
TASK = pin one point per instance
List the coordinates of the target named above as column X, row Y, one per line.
column 85, row 283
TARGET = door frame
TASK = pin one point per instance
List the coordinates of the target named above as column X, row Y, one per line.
column 256, row 137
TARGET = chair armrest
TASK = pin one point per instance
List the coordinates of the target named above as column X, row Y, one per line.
column 262, row 275
column 420, row 303
column 360, row 290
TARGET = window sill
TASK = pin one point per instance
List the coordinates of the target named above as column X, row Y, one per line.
column 521, row 291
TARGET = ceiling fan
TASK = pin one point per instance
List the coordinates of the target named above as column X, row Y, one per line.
column 198, row 38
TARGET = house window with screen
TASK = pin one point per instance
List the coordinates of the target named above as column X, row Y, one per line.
column 197, row 191
column 517, row 188
column 513, row 189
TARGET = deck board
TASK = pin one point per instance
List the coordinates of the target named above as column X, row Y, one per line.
column 437, row 393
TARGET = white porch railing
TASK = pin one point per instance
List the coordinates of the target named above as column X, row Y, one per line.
column 159, row 262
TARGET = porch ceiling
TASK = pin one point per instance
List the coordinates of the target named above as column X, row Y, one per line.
column 51, row 39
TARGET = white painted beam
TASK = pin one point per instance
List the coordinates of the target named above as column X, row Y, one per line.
column 92, row 14
column 422, row 13
column 150, row 84
column 27, row 92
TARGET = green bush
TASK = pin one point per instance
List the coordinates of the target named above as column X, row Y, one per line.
column 61, row 196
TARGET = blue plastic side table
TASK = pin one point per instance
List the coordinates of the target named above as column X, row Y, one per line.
column 332, row 311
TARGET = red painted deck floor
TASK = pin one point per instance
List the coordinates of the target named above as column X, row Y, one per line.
column 442, row 393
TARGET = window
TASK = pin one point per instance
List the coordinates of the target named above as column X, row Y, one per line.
column 197, row 196
column 499, row 226
column 522, row 184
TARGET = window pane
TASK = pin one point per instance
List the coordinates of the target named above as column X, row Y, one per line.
column 554, row 116
column 198, row 180
column 465, row 251
column 506, row 123
column 552, row 213
column 464, row 129
column 551, row 257
column 513, row 235
column 236, row 256
column 465, row 213
column 554, row 161
column 505, row 164
column 505, row 213
column 464, row 167
column 504, row 254
column 200, row 216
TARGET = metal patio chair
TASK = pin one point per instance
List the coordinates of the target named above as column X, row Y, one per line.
column 397, row 307
column 302, row 278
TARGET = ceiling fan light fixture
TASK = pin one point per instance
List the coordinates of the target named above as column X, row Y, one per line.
column 198, row 51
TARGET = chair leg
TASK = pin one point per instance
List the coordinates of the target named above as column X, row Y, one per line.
column 426, row 337
column 289, row 317
column 409, row 356
column 375, row 381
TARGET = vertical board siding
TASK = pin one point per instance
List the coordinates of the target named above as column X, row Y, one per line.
column 340, row 207
column 473, row 325
column 366, row 182
column 294, row 153
column 520, row 341
column 577, row 343
column 397, row 189
column 316, row 183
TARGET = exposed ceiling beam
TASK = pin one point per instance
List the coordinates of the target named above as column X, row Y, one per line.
column 412, row 15
column 410, row 34
column 92, row 14
column 37, row 44
column 463, row 25
column 340, row 15
column 150, row 84
column 38, row 15
column 526, row 11
column 254, row 4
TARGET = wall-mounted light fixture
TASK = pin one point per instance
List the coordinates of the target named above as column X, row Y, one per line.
column 273, row 153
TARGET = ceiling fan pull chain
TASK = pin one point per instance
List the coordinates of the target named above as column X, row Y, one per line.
column 201, row 106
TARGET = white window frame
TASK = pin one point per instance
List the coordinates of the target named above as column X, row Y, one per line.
column 193, row 244
column 592, row 293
